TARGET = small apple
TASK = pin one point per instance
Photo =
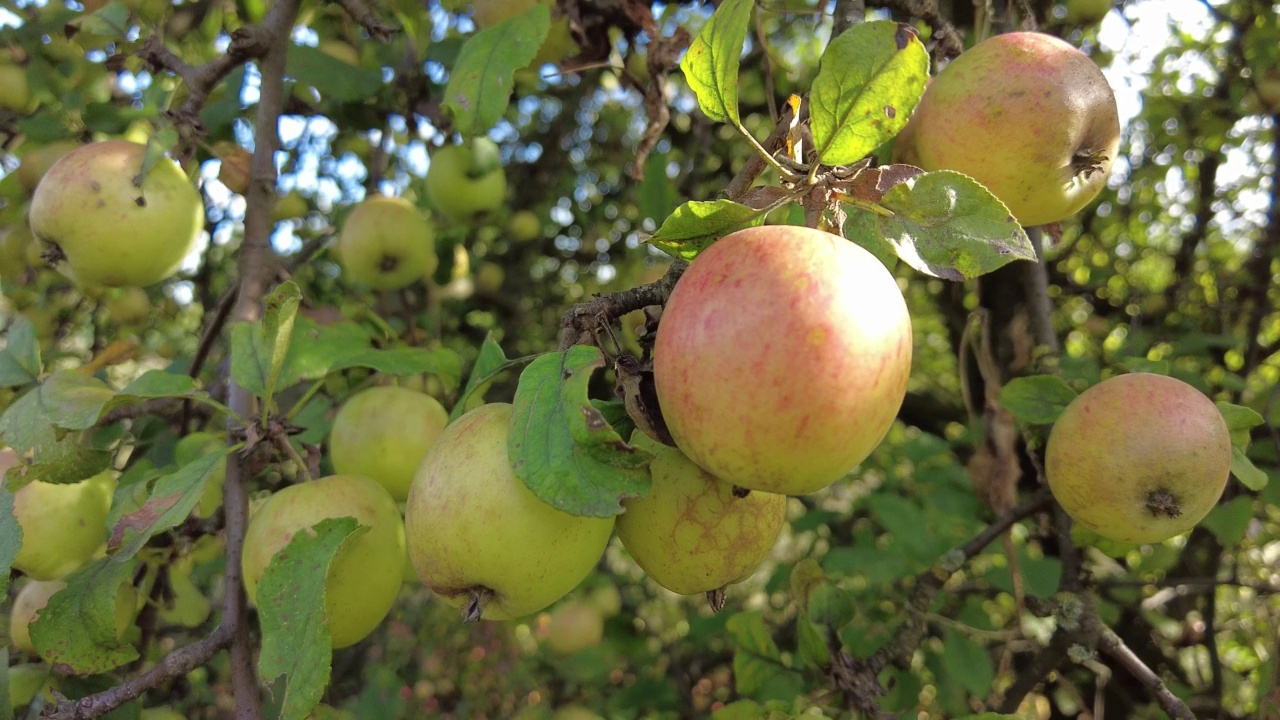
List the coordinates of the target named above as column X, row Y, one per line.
column 466, row 182
column 63, row 525
column 383, row 432
column 606, row 599
column 15, row 94
column 1027, row 115
column 478, row 536
column 782, row 358
column 574, row 626
column 127, row 306
column 36, row 162
column 1087, row 12
column 366, row 573
column 110, row 231
column 695, row 533
column 35, row 595
column 191, row 447
column 489, row 277
column 290, row 207
column 524, row 226
column 1139, row 458
column 387, row 244
column 13, row 253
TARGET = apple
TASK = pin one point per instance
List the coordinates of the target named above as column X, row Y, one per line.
column 127, row 306
column 15, row 94
column 489, row 277
column 366, row 572
column 190, row 448
column 109, row 231
column 1027, row 115
column 466, row 182
column 574, row 626
column 576, row 712
column 35, row 595
column 782, row 358
column 1087, row 12
column 386, row 244
column 606, row 599
column 383, row 432
column 28, row 680
column 1139, row 458
column 36, row 162
column 13, row 253
column 695, row 533
column 524, row 226
column 290, row 207
column 479, row 537
column 63, row 525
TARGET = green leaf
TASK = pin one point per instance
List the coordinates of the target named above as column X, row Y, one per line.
column 868, row 85
column 1245, row 471
column 169, row 503
column 811, row 646
column 946, row 225
column 20, row 358
column 74, row 400
column 1036, row 399
column 480, row 85
column 657, row 194
column 110, row 22
column 10, row 537
column 78, row 628
column 489, row 363
column 329, row 76
column 560, row 445
column 711, row 64
column 47, row 453
column 698, row 223
column 1239, row 418
column 967, row 662
column 1230, row 520
column 1141, row 364
column 831, row 605
column 259, row 349
column 296, row 650
column 750, row 634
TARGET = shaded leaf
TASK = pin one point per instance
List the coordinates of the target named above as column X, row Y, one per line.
column 20, row 359
column 330, row 76
column 10, row 537
column 480, row 83
column 967, row 662
column 489, row 363
column 47, row 453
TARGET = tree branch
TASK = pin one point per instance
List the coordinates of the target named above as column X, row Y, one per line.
column 1111, row 644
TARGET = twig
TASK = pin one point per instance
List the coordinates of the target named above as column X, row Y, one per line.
column 847, row 13
column 361, row 13
column 1112, row 645
column 756, row 164
column 581, row 321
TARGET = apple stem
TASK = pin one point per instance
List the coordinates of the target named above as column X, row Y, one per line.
column 716, row 599
column 477, row 599
column 740, row 492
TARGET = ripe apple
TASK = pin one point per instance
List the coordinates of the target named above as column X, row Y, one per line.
column 524, row 226
column 383, row 432
column 574, row 626
column 35, row 595
column 364, row 576
column 15, row 94
column 1139, row 458
column 63, row 525
column 782, row 358
column 475, row 531
column 386, row 243
column 695, row 533
column 1087, row 12
column 36, row 162
column 466, row 182
column 1027, row 115
column 110, row 231
column 191, row 447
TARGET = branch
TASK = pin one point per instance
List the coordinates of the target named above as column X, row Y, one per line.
column 1111, row 644
column 755, row 164
column 360, row 12
column 581, row 322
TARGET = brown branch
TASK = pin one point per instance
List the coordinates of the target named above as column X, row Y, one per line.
column 361, row 13
column 1112, row 645
column 581, row 322
column 846, row 14
column 1258, row 267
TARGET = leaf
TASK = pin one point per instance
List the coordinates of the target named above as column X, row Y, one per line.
column 946, row 225
column 657, row 194
column 1230, row 520
column 20, row 358
column 757, row 664
column 489, row 363
column 1036, row 399
column 330, row 76
column 711, row 64
column 10, row 537
column 46, row 453
column 74, row 400
column 560, row 445
column 1239, row 417
column 258, row 349
column 110, row 22
column 698, row 223
column 1245, row 471
column 296, row 650
column 811, row 646
column 77, row 629
column 170, row 501
column 868, row 84
column 481, row 82
column 967, row 662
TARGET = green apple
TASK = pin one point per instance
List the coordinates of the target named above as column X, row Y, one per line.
column 63, row 525
column 365, row 575
column 466, row 182
column 191, row 447
column 383, row 433
column 386, row 244
column 28, row 680
column 13, row 253
column 35, row 595
column 36, row 162
column 489, row 277
column 524, row 226
column 1139, row 458
column 574, row 626
column 15, row 94
column 476, row 532
column 1027, row 115
column 796, row 408
column 1088, row 12
column 695, row 533
column 576, row 712
column 606, row 599
column 290, row 207
column 110, row 231
column 127, row 306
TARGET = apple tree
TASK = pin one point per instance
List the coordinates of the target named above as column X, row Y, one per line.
column 567, row 359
